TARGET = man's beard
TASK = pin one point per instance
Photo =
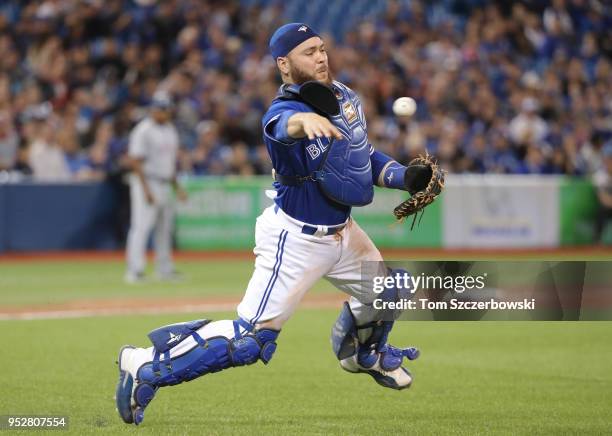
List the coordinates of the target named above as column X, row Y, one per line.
column 300, row 76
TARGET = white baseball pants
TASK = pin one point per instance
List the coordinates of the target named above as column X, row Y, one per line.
column 145, row 218
column 289, row 263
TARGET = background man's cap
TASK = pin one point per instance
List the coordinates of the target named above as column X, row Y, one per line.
column 289, row 36
column 607, row 150
column 162, row 100
column 529, row 104
column 37, row 112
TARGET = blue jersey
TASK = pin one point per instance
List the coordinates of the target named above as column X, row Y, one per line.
column 300, row 157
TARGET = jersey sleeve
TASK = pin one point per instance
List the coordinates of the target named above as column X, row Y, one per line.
column 138, row 145
column 275, row 121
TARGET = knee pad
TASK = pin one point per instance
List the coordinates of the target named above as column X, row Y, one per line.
column 398, row 293
column 207, row 356
column 395, row 294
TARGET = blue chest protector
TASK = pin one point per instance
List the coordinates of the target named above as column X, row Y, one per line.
column 345, row 174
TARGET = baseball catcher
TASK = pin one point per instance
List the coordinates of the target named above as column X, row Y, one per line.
column 316, row 134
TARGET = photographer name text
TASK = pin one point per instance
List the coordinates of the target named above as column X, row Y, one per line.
column 453, row 304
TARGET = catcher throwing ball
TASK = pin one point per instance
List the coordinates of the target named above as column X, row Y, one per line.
column 315, row 132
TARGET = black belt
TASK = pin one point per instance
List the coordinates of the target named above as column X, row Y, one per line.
column 297, row 180
column 311, row 230
column 307, row 229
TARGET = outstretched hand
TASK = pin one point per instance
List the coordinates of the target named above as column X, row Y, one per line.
column 311, row 125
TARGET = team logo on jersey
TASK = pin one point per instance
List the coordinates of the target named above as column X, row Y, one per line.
column 316, row 149
column 349, row 112
column 302, row 29
column 313, row 151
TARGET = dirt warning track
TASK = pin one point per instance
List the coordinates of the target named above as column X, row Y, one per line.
column 567, row 253
column 147, row 306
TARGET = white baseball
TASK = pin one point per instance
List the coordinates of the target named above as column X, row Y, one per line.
column 404, row 107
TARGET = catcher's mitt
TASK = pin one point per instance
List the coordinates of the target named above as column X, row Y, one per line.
column 423, row 198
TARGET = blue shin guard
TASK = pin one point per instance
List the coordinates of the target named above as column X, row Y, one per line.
column 206, row 356
column 348, row 338
column 364, row 348
column 371, row 355
column 345, row 342
column 209, row 355
column 344, row 334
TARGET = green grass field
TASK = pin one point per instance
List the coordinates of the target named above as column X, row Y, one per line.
column 23, row 283
column 472, row 377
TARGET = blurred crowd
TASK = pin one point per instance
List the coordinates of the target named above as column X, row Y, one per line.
column 506, row 87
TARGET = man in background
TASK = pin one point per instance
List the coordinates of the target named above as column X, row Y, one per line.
column 9, row 142
column 152, row 152
column 603, row 184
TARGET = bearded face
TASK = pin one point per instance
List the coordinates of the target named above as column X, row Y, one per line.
column 307, row 61
column 300, row 76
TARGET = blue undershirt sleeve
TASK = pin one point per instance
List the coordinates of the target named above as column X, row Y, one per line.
column 386, row 172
